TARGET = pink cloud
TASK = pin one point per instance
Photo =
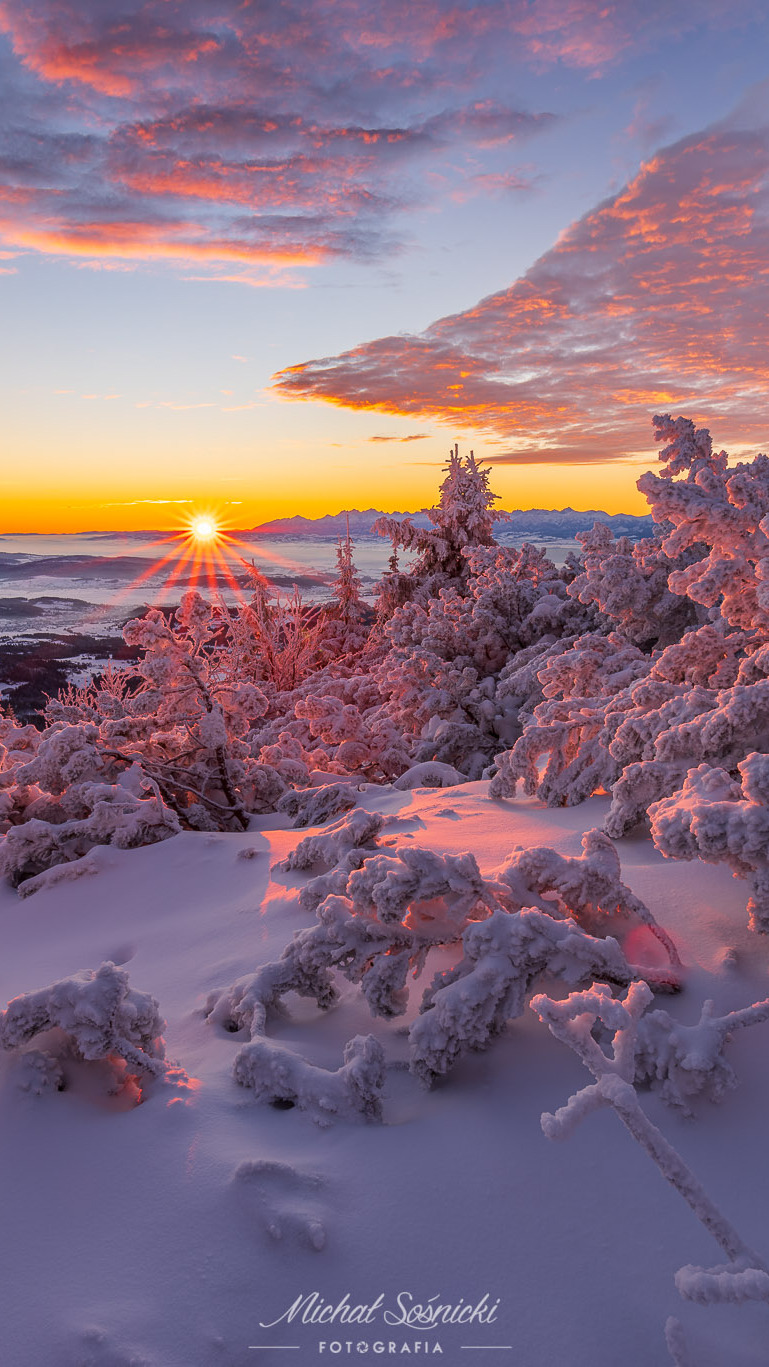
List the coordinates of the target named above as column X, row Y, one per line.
column 274, row 133
column 657, row 299
column 117, row 53
column 224, row 131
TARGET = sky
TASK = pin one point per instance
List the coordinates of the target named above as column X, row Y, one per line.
column 264, row 258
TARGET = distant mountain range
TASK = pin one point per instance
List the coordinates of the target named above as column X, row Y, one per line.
column 554, row 524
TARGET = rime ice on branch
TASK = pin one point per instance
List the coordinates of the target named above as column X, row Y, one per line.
column 573, row 1021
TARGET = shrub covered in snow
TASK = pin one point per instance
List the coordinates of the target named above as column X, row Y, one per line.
column 713, row 818
column 687, row 1061
column 355, row 831
column 503, row 957
column 588, row 888
column 98, row 1012
column 313, row 806
column 111, row 815
column 378, row 916
column 354, row 1091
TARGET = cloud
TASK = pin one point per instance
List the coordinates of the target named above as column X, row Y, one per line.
column 174, row 406
column 494, row 184
column 136, row 502
column 279, row 135
column 275, row 277
column 412, row 436
column 224, row 134
column 119, row 52
column 655, row 300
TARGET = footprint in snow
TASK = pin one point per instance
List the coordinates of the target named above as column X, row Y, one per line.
column 285, row 1200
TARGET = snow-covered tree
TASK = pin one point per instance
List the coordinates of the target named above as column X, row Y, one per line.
column 629, row 583
column 674, row 679
column 464, row 516
column 347, row 607
column 441, row 674
column 721, row 509
column 273, row 642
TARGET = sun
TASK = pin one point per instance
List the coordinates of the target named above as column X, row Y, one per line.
column 203, row 551
column 204, row 528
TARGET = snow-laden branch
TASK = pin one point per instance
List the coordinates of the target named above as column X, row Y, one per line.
column 573, row 1021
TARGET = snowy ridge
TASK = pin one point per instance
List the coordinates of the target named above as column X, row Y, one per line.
column 529, row 522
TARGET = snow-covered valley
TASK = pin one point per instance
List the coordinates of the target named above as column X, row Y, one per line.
column 168, row 1233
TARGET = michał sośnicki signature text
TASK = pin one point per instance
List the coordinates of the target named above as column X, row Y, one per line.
column 405, row 1310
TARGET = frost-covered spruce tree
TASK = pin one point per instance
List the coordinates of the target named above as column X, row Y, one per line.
column 348, row 605
column 347, row 617
column 372, row 738
column 721, row 508
column 464, row 516
column 628, row 582
column 443, row 631
column 436, row 661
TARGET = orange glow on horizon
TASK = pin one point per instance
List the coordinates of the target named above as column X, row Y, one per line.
column 610, row 488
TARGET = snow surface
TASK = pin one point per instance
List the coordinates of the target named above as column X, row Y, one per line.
column 162, row 1234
